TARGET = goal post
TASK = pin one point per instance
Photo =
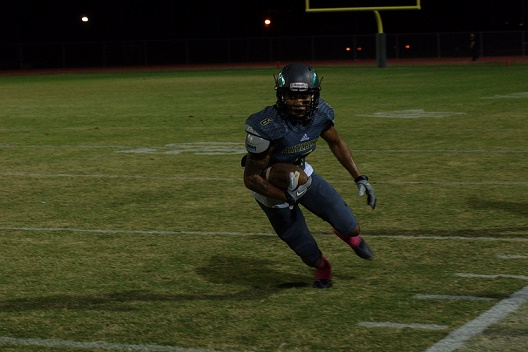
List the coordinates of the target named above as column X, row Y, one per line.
column 381, row 47
column 416, row 6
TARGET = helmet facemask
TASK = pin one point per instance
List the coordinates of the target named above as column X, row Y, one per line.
column 299, row 105
column 298, row 89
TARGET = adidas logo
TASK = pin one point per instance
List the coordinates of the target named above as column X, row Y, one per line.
column 305, row 138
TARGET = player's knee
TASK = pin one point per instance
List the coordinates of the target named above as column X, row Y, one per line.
column 355, row 231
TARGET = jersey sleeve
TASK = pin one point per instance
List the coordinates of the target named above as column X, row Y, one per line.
column 326, row 112
column 262, row 129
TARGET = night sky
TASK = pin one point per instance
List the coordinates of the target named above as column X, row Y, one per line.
column 27, row 21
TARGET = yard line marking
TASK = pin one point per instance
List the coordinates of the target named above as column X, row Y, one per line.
column 369, row 324
column 136, row 232
column 441, row 150
column 412, row 114
column 196, row 148
column 99, row 345
column 457, row 338
column 511, row 256
column 234, row 233
column 509, row 96
column 67, row 146
column 449, row 182
column 493, row 276
column 451, row 297
column 241, row 145
column 450, row 238
column 184, row 178
column 238, row 179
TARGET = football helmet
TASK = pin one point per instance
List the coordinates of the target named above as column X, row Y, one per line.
column 298, row 88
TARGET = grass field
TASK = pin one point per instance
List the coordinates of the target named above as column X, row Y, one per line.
column 125, row 224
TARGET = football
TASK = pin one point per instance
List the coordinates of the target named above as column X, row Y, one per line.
column 279, row 175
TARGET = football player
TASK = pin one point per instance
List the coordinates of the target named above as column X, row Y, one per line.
column 288, row 132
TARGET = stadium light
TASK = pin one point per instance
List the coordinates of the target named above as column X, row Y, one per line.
column 84, row 19
column 267, row 22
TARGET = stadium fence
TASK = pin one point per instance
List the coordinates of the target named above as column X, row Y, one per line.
column 256, row 50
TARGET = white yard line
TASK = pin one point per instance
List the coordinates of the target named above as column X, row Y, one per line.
column 492, row 276
column 196, row 145
column 511, row 256
column 132, row 232
column 453, row 297
column 238, row 179
column 234, row 233
column 139, row 177
column 97, row 345
column 451, row 238
column 457, row 338
column 369, row 324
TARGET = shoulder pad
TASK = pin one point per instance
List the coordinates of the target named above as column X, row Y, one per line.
column 254, row 142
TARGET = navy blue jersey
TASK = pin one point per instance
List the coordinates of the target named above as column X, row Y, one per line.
column 294, row 141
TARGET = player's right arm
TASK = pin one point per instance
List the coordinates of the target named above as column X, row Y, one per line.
column 259, row 154
column 256, row 163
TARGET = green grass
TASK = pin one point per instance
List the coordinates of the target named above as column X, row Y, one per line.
column 118, row 226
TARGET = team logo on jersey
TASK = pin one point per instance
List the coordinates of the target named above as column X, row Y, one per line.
column 305, row 138
column 301, row 147
column 265, row 121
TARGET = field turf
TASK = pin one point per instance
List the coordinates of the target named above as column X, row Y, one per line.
column 126, row 226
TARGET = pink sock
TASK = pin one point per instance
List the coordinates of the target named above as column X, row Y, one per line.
column 351, row 241
column 355, row 241
column 324, row 272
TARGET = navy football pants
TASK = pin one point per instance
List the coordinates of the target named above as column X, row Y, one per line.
column 322, row 200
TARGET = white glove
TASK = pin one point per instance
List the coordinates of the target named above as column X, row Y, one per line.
column 365, row 187
column 296, row 191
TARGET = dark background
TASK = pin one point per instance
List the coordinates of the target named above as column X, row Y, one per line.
column 27, row 21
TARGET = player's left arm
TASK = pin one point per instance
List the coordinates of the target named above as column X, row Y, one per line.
column 343, row 154
column 341, row 151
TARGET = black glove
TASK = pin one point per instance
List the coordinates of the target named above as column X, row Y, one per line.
column 365, row 187
column 295, row 191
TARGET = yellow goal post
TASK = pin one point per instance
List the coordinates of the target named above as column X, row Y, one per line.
column 417, row 6
column 381, row 55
